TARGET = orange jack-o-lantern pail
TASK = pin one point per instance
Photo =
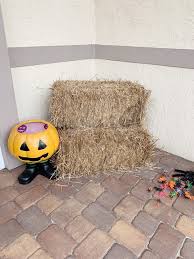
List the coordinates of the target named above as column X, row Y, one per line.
column 33, row 141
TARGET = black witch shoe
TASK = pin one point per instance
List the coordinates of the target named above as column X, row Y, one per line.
column 46, row 169
column 28, row 174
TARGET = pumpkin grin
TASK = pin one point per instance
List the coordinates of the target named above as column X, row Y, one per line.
column 33, row 159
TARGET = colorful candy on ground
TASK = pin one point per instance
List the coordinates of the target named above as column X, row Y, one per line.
column 174, row 187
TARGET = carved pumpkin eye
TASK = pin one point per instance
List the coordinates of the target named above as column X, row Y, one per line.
column 41, row 145
column 24, row 147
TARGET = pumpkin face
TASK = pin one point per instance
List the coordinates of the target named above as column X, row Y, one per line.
column 33, row 141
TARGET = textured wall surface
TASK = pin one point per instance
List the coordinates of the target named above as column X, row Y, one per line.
column 150, row 23
column 48, row 22
column 2, row 165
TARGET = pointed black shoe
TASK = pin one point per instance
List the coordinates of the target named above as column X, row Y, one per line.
column 46, row 169
column 28, row 174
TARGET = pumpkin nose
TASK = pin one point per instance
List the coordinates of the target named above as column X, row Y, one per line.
column 22, row 128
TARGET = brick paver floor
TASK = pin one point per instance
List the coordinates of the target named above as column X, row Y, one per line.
column 104, row 216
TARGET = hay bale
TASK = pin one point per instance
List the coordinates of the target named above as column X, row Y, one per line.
column 80, row 104
column 88, row 151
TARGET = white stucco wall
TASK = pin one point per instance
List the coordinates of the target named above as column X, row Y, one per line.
column 48, row 22
column 2, row 165
column 145, row 23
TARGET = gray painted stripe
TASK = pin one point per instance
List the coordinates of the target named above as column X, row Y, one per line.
column 183, row 58
column 30, row 56
column 8, row 109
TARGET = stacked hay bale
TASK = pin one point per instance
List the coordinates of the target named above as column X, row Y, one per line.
column 100, row 126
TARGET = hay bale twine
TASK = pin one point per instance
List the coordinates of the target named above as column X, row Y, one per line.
column 81, row 104
column 88, row 151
